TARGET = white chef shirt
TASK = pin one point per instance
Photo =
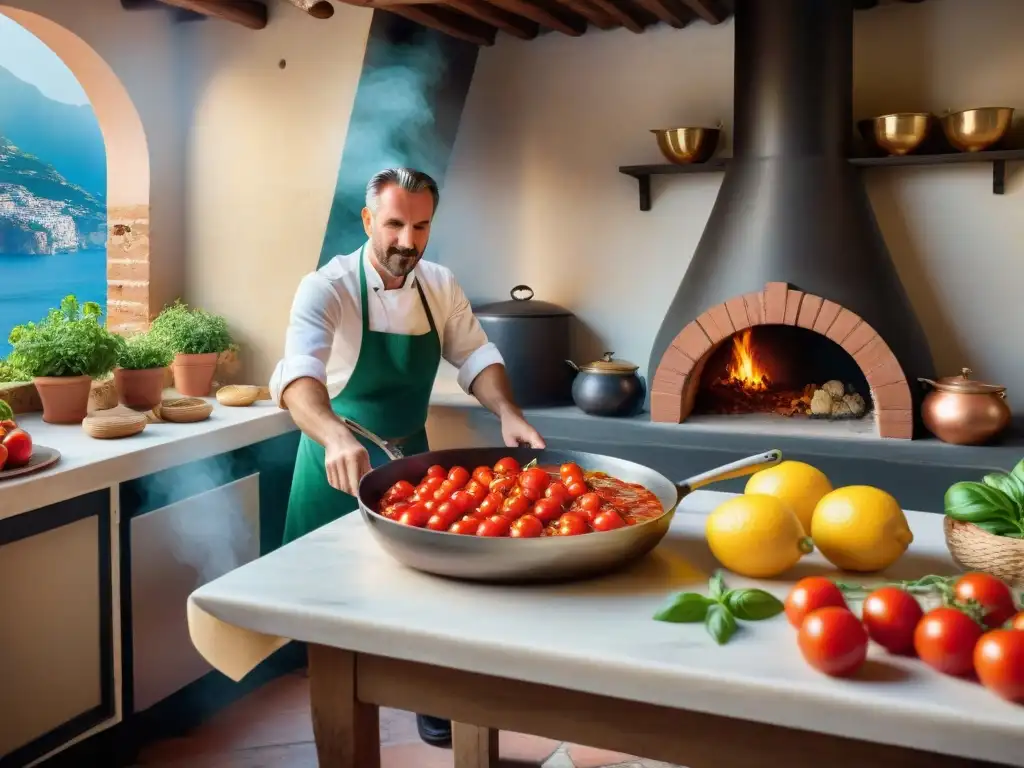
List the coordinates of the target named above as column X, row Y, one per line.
column 325, row 329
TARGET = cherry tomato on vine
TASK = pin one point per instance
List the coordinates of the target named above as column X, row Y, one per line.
column 945, row 638
column 810, row 594
column 891, row 615
column 526, row 527
column 993, row 594
column 999, row 662
column 833, row 641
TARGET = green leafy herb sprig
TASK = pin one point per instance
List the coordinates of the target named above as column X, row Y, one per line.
column 70, row 341
column 189, row 331
column 996, row 504
column 720, row 608
column 142, row 352
column 934, row 586
column 11, row 373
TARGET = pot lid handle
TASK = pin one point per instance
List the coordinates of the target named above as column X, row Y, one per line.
column 518, row 289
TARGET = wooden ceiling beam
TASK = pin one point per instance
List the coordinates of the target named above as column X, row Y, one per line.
column 710, row 10
column 670, row 12
column 591, row 13
column 620, row 14
column 447, row 21
column 248, row 13
column 566, row 23
column 497, row 17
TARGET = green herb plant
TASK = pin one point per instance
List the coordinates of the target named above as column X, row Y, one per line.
column 11, row 372
column 70, row 341
column 720, row 608
column 6, row 414
column 996, row 504
column 143, row 352
column 189, row 331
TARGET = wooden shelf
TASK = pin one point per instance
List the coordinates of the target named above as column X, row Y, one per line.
column 998, row 158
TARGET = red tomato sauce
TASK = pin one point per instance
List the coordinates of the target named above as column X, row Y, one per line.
column 507, row 500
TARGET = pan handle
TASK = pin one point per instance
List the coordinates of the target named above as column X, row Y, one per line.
column 391, row 450
column 747, row 466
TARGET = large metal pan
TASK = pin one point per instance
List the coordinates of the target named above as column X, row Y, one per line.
column 544, row 559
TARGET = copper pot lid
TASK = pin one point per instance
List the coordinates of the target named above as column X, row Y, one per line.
column 964, row 384
column 608, row 364
column 521, row 304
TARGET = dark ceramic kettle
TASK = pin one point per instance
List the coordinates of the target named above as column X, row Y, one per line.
column 608, row 387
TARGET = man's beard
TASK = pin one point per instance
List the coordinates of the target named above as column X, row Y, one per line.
column 398, row 262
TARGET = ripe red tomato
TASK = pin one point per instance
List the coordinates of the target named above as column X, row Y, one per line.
column 494, row 526
column 476, row 491
column 891, row 615
column 458, row 477
column 526, row 527
column 590, row 503
column 547, row 510
column 993, row 595
column 999, row 662
column 3, row 456
column 391, row 512
column 576, row 488
column 483, row 475
column 810, row 594
column 558, row 492
column 531, row 494
column 467, row 526
column 833, row 641
column 506, row 466
column 535, row 479
column 442, row 521
column 19, row 447
column 502, row 485
column 417, row 516
column 945, row 640
column 491, row 505
column 444, row 491
column 572, row 524
column 436, row 471
column 431, row 484
column 1017, row 622
column 570, row 471
column 515, row 507
column 463, row 501
column 608, row 520
column 401, row 490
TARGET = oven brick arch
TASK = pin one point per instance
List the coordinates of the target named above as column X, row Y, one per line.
column 677, row 377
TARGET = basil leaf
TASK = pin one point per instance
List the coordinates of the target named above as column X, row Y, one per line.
column 1010, row 484
column 1013, row 535
column 685, row 608
column 998, row 527
column 716, row 587
column 752, row 604
column 1018, row 471
column 720, row 623
column 976, row 502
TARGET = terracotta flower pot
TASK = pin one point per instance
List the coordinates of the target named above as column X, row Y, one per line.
column 65, row 398
column 142, row 389
column 193, row 374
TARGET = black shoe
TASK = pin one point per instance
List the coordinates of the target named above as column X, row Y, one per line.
column 434, row 731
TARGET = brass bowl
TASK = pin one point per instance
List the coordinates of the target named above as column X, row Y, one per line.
column 683, row 146
column 897, row 134
column 976, row 129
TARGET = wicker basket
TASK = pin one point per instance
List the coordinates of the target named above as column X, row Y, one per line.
column 974, row 549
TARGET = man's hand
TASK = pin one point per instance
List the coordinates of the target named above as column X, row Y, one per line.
column 516, row 430
column 346, row 461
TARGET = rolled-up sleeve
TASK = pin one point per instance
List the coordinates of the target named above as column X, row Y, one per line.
column 314, row 319
column 465, row 344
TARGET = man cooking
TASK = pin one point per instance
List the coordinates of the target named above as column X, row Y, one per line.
column 366, row 335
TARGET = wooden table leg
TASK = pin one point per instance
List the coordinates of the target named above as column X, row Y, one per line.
column 474, row 747
column 347, row 731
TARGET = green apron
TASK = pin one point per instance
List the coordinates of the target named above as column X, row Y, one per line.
column 389, row 394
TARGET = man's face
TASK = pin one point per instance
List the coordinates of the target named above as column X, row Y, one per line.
column 399, row 229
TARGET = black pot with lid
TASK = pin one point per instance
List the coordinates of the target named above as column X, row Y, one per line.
column 533, row 336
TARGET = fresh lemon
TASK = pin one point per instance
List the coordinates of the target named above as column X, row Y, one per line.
column 756, row 535
column 799, row 485
column 860, row 528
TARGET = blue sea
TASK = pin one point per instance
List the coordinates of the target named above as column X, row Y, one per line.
column 32, row 285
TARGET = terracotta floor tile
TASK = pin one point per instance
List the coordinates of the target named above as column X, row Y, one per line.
column 588, row 757
column 525, row 749
column 415, row 756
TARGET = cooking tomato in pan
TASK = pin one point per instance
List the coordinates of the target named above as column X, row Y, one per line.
column 507, row 500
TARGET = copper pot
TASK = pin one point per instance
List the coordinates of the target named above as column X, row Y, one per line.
column 962, row 411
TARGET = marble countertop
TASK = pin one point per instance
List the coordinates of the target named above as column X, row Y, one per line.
column 88, row 464
column 338, row 587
